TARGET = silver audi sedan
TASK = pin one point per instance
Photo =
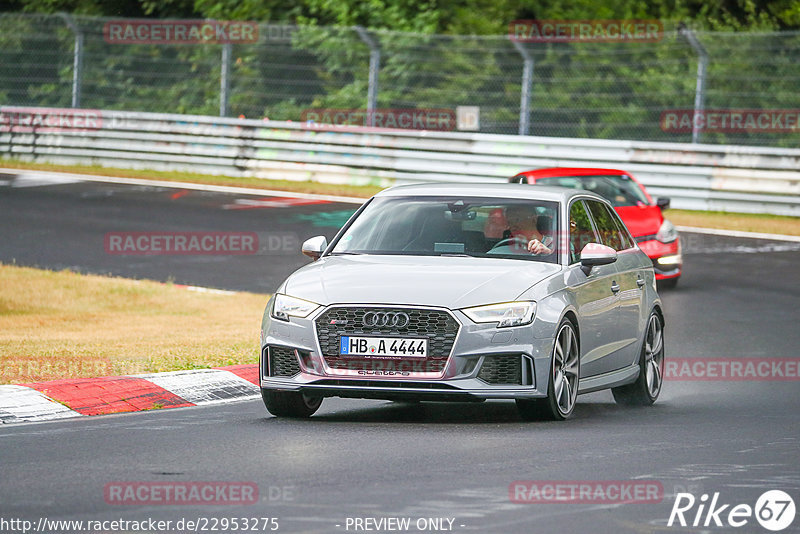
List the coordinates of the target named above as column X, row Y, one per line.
column 453, row 292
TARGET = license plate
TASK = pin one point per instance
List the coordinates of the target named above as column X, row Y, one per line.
column 383, row 347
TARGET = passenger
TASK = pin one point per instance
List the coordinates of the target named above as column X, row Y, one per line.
column 495, row 225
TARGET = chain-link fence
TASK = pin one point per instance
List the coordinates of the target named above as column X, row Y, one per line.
column 613, row 90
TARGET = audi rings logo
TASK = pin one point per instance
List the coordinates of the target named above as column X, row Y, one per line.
column 392, row 319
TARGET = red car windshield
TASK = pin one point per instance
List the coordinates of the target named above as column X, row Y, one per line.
column 620, row 190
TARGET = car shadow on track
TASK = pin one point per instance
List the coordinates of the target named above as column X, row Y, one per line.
column 472, row 413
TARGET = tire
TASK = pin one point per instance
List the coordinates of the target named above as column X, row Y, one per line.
column 290, row 403
column 647, row 387
column 562, row 388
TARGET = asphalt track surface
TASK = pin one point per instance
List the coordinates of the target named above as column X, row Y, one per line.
column 359, row 458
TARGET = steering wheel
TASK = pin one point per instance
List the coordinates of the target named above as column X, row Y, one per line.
column 507, row 242
column 520, row 242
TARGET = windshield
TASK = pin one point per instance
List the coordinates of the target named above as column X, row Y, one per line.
column 620, row 190
column 441, row 226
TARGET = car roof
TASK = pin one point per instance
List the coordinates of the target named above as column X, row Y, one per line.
column 572, row 171
column 498, row 190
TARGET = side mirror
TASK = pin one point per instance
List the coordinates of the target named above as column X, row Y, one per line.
column 662, row 202
column 596, row 254
column 314, row 247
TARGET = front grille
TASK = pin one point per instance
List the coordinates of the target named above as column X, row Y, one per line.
column 282, row 362
column 437, row 326
column 501, row 369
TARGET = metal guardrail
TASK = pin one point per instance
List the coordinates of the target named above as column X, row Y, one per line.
column 695, row 176
column 605, row 89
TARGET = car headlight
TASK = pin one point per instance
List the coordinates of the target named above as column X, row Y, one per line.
column 667, row 233
column 505, row 314
column 673, row 259
column 286, row 306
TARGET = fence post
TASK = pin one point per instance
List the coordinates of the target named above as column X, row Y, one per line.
column 225, row 79
column 77, row 60
column 374, row 66
column 525, row 93
column 700, row 89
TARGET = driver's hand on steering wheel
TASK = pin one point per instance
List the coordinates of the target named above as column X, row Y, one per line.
column 537, row 247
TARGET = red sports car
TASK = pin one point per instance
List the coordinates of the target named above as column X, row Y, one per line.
column 656, row 236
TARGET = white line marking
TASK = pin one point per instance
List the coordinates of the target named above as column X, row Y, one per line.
column 743, row 249
column 188, row 185
column 738, row 233
column 332, row 198
column 31, row 180
column 200, row 289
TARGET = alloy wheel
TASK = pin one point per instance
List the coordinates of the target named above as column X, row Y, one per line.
column 565, row 369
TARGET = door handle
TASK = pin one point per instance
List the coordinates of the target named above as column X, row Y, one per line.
column 615, row 287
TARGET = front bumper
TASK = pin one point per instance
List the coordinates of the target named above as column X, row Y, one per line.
column 666, row 257
column 459, row 390
column 482, row 364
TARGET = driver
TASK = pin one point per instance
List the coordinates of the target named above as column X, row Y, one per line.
column 522, row 224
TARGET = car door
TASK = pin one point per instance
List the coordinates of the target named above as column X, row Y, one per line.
column 595, row 299
column 629, row 283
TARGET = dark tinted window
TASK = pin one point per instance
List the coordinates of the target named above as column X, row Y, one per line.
column 606, row 225
column 624, row 233
column 580, row 230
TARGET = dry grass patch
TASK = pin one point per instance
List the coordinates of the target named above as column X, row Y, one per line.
column 68, row 325
column 746, row 222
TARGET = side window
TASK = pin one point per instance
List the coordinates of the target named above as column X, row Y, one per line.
column 580, row 230
column 606, row 225
column 624, row 233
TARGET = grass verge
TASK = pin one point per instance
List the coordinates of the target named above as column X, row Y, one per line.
column 773, row 224
column 67, row 325
column 745, row 222
column 363, row 191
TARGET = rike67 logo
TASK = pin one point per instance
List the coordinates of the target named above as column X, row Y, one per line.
column 774, row 510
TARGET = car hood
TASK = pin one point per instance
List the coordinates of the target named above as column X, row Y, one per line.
column 451, row 282
column 641, row 220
